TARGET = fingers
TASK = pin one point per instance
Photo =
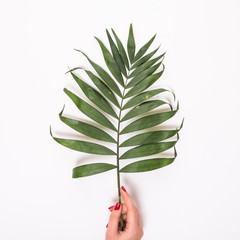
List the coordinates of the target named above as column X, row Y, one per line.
column 128, row 206
column 131, row 219
column 114, row 218
column 132, row 213
column 127, row 199
column 124, row 208
column 133, row 222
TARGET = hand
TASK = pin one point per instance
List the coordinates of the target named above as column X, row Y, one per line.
column 133, row 228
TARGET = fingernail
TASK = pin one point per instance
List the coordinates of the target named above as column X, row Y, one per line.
column 110, row 208
column 117, row 206
column 123, row 188
column 106, row 225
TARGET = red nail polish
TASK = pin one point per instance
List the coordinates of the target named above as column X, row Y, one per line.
column 123, row 188
column 117, row 206
column 106, row 225
column 110, row 208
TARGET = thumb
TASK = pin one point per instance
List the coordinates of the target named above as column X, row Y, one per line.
column 114, row 219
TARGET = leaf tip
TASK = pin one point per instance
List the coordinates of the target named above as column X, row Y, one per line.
column 98, row 39
column 174, row 96
column 81, row 52
column 181, row 124
column 77, row 50
column 163, row 56
column 68, row 70
column 154, row 37
column 177, row 136
column 175, row 152
column 51, row 131
column 60, row 114
column 65, row 90
column 177, row 105
column 163, row 67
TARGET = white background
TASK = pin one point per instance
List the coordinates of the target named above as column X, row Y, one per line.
column 197, row 197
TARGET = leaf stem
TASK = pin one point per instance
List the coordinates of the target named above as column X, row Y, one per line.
column 118, row 134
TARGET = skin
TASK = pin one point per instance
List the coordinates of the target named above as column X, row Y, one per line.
column 133, row 229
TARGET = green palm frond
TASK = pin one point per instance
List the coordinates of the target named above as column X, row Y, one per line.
column 121, row 93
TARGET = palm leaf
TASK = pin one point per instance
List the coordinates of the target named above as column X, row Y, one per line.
column 150, row 137
column 86, row 129
column 94, row 96
column 116, row 54
column 144, row 84
column 142, row 97
column 145, row 66
column 90, row 111
column 123, row 84
column 106, row 91
column 91, row 169
column 148, row 121
column 144, row 59
column 148, row 149
column 148, row 164
column 104, row 75
column 143, row 49
column 121, row 50
column 131, row 44
column 143, row 108
column 82, row 146
column 110, row 62
column 142, row 75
